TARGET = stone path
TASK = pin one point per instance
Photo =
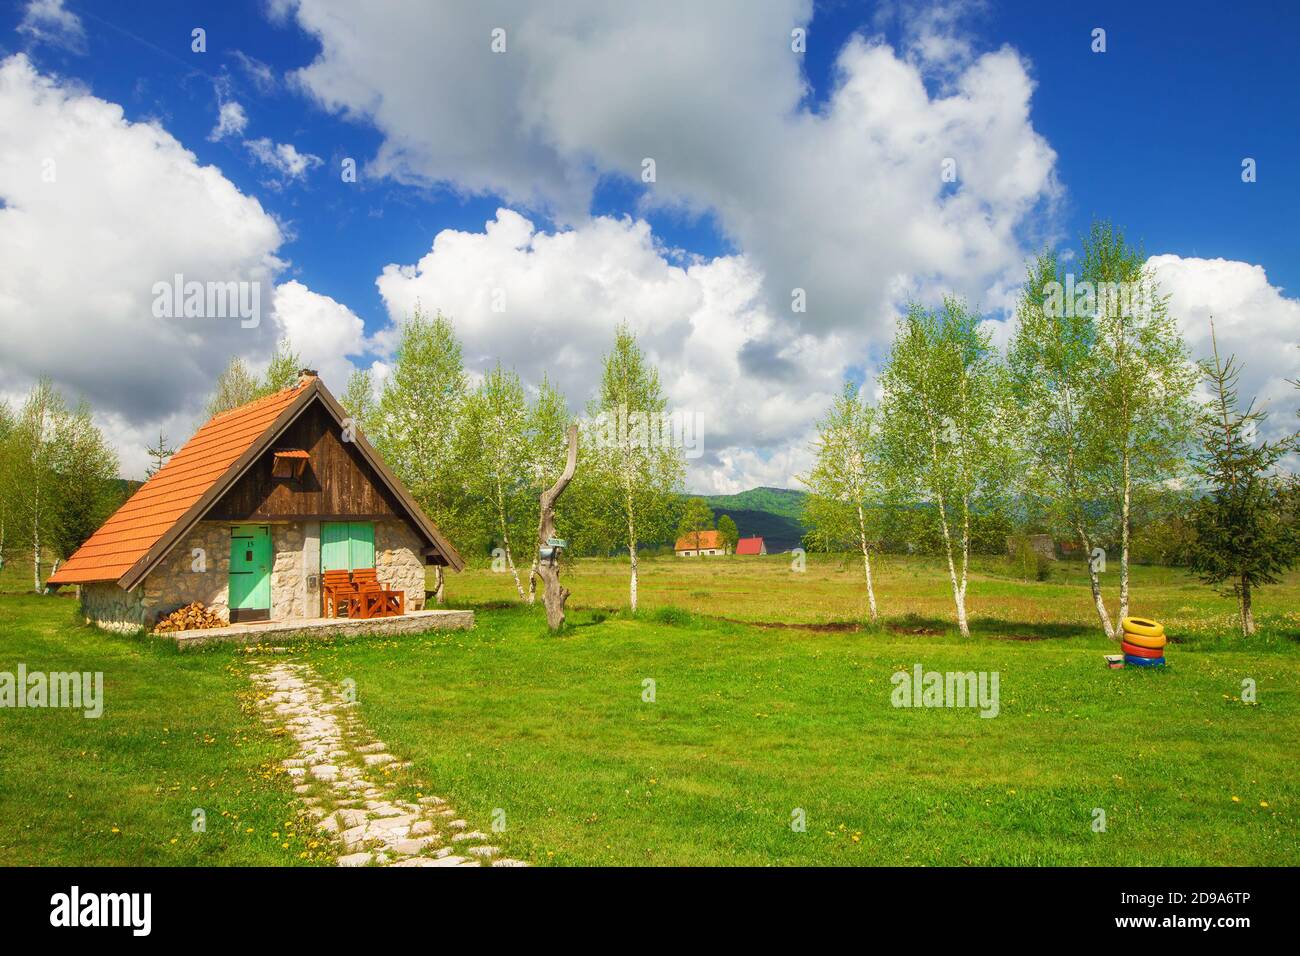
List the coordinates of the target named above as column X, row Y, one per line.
column 336, row 759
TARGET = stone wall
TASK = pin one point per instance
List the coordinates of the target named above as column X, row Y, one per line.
column 288, row 574
column 197, row 569
column 106, row 605
column 398, row 564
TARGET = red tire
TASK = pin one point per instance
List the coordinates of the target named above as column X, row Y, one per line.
column 1136, row 651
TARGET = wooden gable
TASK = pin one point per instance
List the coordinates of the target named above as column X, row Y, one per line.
column 335, row 482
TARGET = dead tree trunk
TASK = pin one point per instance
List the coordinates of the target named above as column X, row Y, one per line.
column 554, row 593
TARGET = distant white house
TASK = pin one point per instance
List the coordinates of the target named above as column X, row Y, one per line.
column 699, row 544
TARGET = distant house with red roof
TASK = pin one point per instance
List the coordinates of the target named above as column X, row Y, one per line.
column 699, row 543
column 751, row 546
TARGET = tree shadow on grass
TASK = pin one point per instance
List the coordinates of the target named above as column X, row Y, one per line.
column 1004, row 630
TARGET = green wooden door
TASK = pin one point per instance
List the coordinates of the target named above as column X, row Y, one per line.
column 250, row 569
column 361, row 544
column 334, row 546
column 347, row 545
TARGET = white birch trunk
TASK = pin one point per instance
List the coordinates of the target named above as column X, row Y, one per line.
column 631, row 536
column 1094, row 582
column 505, row 540
column 1124, row 541
column 866, row 563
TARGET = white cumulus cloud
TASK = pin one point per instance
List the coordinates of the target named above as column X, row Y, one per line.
column 94, row 211
column 705, row 325
column 1252, row 320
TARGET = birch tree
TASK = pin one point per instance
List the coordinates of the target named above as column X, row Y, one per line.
column 414, row 424
column 8, row 502
column 942, row 435
column 33, row 467
column 497, row 459
column 62, row 472
column 1103, row 381
column 235, row 386
column 846, row 481
column 1053, row 371
column 636, row 468
column 359, row 397
column 83, row 491
column 1140, row 402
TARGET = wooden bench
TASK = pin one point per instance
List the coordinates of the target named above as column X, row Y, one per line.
column 374, row 599
column 338, row 592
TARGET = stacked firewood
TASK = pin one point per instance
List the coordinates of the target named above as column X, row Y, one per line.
column 189, row 617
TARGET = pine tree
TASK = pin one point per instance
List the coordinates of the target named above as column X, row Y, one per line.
column 159, row 454
column 1243, row 536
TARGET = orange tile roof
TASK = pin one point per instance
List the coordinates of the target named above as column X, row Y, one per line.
column 160, row 502
column 707, row 541
column 749, row 546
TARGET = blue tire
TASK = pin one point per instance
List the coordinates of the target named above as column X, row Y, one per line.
column 1132, row 661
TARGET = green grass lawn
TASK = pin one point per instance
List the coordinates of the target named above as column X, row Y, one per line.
column 749, row 725
column 177, row 734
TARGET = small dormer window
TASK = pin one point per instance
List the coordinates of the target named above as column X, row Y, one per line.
column 288, row 463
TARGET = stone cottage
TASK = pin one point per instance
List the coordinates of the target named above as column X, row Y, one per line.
column 249, row 513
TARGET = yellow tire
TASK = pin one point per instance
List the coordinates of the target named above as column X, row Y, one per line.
column 1142, row 640
column 1143, row 626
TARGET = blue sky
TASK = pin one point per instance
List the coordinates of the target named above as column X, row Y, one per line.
column 1151, row 134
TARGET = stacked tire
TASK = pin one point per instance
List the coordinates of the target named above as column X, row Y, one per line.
column 1143, row 643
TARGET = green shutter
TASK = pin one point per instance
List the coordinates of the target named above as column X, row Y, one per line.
column 346, row 546
column 334, row 549
column 361, row 546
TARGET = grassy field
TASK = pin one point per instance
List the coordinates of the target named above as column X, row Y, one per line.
column 176, row 735
column 750, row 724
column 911, row 593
